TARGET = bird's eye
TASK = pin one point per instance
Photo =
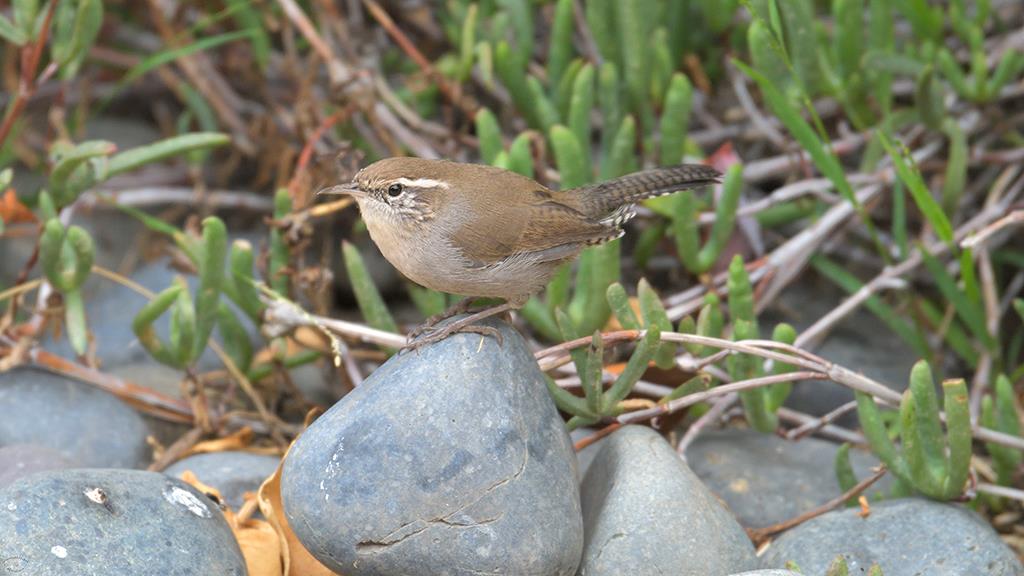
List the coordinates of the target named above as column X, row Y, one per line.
column 394, row 190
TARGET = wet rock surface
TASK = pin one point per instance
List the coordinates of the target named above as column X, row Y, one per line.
column 105, row 522
column 233, row 473
column 449, row 460
column 645, row 512
column 766, row 479
column 83, row 424
column 906, row 537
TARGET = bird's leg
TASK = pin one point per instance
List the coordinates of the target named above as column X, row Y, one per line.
column 459, row 307
column 466, row 325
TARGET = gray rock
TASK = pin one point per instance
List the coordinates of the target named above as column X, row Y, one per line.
column 645, row 512
column 766, row 479
column 99, row 522
column 20, row 460
column 84, row 424
column 449, row 460
column 768, row 573
column 906, row 537
column 232, row 473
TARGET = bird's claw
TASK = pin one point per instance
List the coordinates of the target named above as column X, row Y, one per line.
column 416, row 340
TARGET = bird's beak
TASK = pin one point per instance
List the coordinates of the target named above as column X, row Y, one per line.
column 350, row 189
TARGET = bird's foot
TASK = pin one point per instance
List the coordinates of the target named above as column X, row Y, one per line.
column 459, row 307
column 419, row 340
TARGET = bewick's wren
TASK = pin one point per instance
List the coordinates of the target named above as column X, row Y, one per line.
column 481, row 231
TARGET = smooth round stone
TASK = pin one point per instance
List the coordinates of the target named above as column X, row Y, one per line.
column 907, row 537
column 232, row 473
column 766, row 479
column 20, row 460
column 645, row 512
column 98, row 521
column 447, row 460
column 85, row 425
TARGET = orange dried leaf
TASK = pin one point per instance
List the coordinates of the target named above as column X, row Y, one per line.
column 865, row 507
column 12, row 211
column 296, row 559
column 235, row 441
column 257, row 539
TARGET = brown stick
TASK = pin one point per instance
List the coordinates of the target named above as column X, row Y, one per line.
column 760, row 535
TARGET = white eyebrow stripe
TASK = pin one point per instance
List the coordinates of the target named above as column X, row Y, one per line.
column 423, row 183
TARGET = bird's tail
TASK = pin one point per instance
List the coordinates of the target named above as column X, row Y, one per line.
column 599, row 200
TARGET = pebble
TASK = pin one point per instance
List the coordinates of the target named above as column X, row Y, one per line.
column 87, row 522
column 645, row 512
column 447, row 460
column 83, row 424
column 767, row 479
column 233, row 473
column 906, row 537
column 20, row 460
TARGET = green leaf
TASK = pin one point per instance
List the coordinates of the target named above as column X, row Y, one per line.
column 725, row 218
column 428, row 302
column 142, row 325
column 489, row 134
column 926, row 427
column 634, row 370
column 241, row 280
column 560, row 50
column 236, row 339
column 622, row 158
column 566, row 401
column 177, row 145
column 248, row 17
column 971, row 312
column 213, row 256
column 824, row 159
column 801, row 45
column 675, row 119
column 165, row 56
column 279, row 252
column 958, row 425
column 10, row 34
column 568, row 157
column 371, row 305
column 956, row 167
column 467, row 40
column 591, row 379
column 74, row 321
column 610, row 102
column 872, row 425
column 653, row 313
column 520, row 157
column 686, row 232
column 618, row 300
column 580, row 106
column 67, row 157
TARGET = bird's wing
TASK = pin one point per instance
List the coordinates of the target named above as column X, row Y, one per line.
column 544, row 230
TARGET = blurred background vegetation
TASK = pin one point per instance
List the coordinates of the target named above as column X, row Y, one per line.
column 871, row 144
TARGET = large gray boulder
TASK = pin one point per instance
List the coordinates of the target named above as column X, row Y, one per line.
column 447, row 460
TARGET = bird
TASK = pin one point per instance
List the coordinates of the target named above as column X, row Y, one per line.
column 481, row 231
